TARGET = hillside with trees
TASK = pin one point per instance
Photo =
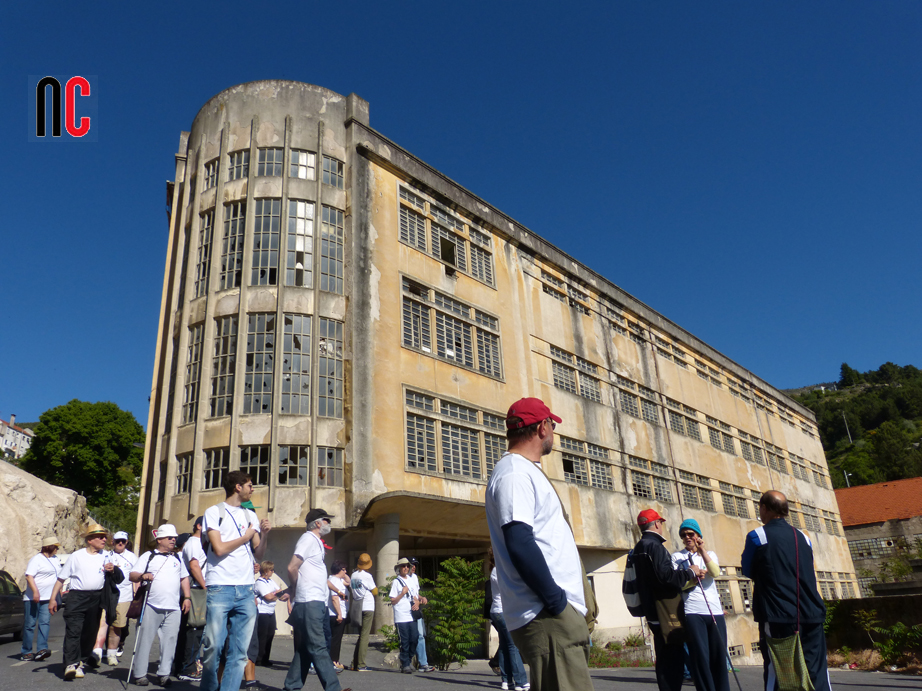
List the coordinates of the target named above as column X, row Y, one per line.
column 870, row 424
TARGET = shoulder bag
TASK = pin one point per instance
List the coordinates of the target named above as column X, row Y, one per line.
column 787, row 654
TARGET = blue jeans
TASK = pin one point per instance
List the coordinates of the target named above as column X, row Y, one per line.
column 421, row 646
column 233, row 604
column 311, row 620
column 508, row 657
column 36, row 613
column 408, row 633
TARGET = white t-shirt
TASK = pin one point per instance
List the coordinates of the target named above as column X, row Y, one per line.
column 367, row 580
column 264, row 587
column 519, row 491
column 694, row 600
column 340, row 586
column 168, row 570
column 312, row 575
column 125, row 561
column 44, row 571
column 496, row 607
column 84, row 570
column 402, row 609
column 193, row 550
column 235, row 568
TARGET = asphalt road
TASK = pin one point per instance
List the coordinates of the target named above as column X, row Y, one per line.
column 17, row 675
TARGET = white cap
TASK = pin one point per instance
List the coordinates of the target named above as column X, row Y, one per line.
column 120, row 535
column 166, row 530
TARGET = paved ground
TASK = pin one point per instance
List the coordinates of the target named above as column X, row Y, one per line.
column 48, row 675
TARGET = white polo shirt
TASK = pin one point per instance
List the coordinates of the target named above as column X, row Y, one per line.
column 519, row 491
column 312, row 575
column 402, row 609
column 694, row 599
column 168, row 570
column 235, row 568
column 125, row 561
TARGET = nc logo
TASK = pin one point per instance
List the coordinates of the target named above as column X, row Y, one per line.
column 75, row 87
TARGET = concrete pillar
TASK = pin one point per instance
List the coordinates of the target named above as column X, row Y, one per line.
column 387, row 550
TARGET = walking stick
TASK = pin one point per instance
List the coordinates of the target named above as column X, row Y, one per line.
column 137, row 636
column 714, row 620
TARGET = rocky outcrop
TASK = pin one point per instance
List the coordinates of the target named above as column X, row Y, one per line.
column 31, row 509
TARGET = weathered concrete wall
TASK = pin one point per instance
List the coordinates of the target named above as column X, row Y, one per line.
column 30, row 510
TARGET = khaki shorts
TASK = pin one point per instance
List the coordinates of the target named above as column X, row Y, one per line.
column 121, row 614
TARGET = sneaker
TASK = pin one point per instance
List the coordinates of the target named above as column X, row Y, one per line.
column 407, row 670
column 427, row 668
column 112, row 660
column 496, row 670
column 42, row 655
column 191, row 676
column 504, row 686
column 27, row 657
column 141, row 681
column 120, row 651
column 360, row 669
column 70, row 672
column 94, row 659
column 80, row 673
column 164, row 681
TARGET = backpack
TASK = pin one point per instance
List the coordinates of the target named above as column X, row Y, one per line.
column 206, row 543
column 629, row 589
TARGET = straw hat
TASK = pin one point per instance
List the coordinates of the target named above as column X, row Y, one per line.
column 94, row 529
column 49, row 541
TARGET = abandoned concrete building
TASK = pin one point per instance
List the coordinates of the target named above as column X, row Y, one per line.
column 348, row 325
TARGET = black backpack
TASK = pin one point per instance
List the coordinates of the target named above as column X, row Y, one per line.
column 629, row 588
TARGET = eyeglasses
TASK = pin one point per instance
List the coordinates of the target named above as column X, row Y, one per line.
column 686, row 534
column 124, row 542
column 553, row 424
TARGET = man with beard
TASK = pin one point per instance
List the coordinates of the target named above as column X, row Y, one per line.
column 538, row 566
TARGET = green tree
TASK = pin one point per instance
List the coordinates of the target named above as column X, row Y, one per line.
column 455, row 611
column 894, row 453
column 90, row 448
column 848, row 376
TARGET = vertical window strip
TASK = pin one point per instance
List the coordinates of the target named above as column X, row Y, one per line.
column 296, row 365
column 239, row 166
column 332, row 241
column 203, row 258
column 453, row 339
column 481, row 265
column 416, row 332
column 254, row 461
column 330, row 381
column 494, row 448
column 193, row 373
column 333, row 172
column 459, row 244
column 488, row 357
column 266, row 242
column 302, row 164
column 300, row 259
column 564, row 377
column 412, row 228
column 294, row 465
column 257, row 388
column 183, row 472
column 211, row 174
column 232, row 247
column 223, row 367
column 216, row 467
column 329, row 467
column 421, row 443
column 460, row 451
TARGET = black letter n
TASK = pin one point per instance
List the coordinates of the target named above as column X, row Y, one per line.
column 55, row 107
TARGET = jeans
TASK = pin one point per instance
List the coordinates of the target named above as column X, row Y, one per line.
column 421, row 645
column 236, row 604
column 312, row 622
column 408, row 634
column 36, row 614
column 163, row 623
column 508, row 658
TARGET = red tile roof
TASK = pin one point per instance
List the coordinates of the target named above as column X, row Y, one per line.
column 881, row 502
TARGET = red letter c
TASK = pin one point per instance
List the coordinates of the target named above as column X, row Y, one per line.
column 69, row 94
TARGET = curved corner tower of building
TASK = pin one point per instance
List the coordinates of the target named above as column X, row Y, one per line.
column 348, row 325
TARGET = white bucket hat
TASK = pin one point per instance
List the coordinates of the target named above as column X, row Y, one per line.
column 166, row 530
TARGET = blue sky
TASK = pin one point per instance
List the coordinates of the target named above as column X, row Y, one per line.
column 750, row 170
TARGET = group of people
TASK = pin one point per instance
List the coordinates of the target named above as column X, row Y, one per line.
column 546, row 601
column 542, row 605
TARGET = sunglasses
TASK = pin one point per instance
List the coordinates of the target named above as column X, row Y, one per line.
column 686, row 534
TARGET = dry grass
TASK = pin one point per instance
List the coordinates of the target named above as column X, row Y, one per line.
column 870, row 661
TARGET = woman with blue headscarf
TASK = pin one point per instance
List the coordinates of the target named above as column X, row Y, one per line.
column 704, row 615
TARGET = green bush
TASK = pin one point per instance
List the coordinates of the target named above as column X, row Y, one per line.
column 454, row 615
column 391, row 642
column 899, row 641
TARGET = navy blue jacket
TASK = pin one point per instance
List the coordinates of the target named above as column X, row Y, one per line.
column 769, row 560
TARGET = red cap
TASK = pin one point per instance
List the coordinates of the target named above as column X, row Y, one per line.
column 648, row 516
column 528, row 411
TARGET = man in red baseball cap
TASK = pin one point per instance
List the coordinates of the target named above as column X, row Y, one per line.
column 537, row 563
column 657, row 580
